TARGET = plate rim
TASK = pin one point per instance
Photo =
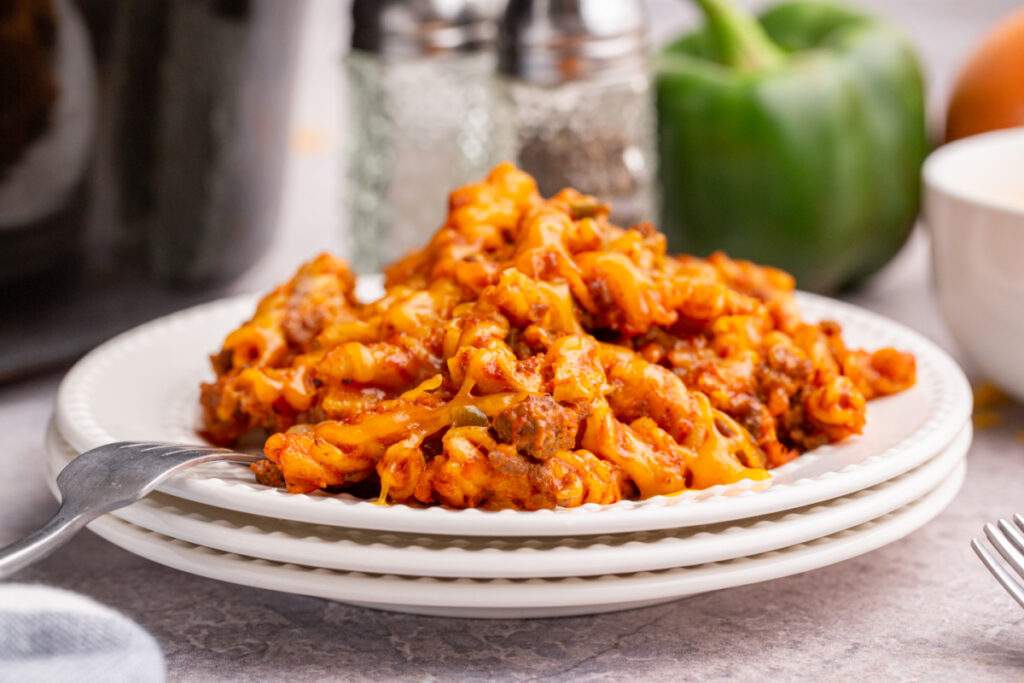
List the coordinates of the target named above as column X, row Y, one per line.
column 426, row 555
column 714, row 505
column 504, row 598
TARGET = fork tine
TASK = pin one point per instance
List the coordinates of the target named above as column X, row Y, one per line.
column 142, row 446
column 169, row 449
column 1009, row 553
column 1011, row 532
column 1019, row 520
column 1012, row 586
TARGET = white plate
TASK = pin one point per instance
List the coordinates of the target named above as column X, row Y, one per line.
column 143, row 384
column 509, row 598
column 441, row 556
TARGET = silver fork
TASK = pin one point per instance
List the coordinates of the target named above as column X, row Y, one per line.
column 1009, row 541
column 102, row 480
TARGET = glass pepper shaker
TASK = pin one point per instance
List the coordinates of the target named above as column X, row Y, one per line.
column 577, row 88
column 423, row 104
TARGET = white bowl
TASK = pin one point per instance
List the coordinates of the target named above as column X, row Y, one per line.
column 974, row 209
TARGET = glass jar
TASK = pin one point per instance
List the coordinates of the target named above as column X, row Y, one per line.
column 423, row 111
column 596, row 136
column 577, row 93
column 419, row 127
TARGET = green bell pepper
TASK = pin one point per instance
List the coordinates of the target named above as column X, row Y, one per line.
column 794, row 140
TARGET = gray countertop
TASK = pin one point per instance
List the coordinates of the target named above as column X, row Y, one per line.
column 921, row 608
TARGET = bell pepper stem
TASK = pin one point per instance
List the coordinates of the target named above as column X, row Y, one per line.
column 741, row 41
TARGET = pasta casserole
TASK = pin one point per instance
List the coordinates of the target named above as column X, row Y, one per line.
column 535, row 355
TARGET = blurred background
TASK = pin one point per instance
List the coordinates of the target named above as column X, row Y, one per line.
column 167, row 152
column 943, row 31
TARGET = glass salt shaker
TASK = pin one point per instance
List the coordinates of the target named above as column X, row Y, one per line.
column 423, row 105
column 577, row 90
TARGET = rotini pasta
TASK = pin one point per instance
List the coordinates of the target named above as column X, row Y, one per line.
column 535, row 355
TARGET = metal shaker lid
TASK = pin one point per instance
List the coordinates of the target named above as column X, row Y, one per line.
column 553, row 41
column 412, row 28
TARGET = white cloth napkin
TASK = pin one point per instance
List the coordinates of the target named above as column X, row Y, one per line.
column 48, row 634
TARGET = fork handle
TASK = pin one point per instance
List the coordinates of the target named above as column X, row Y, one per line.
column 37, row 545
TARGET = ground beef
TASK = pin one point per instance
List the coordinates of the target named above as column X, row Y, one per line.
column 268, row 474
column 538, row 426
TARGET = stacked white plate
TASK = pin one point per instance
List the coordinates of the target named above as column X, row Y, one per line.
column 828, row 505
